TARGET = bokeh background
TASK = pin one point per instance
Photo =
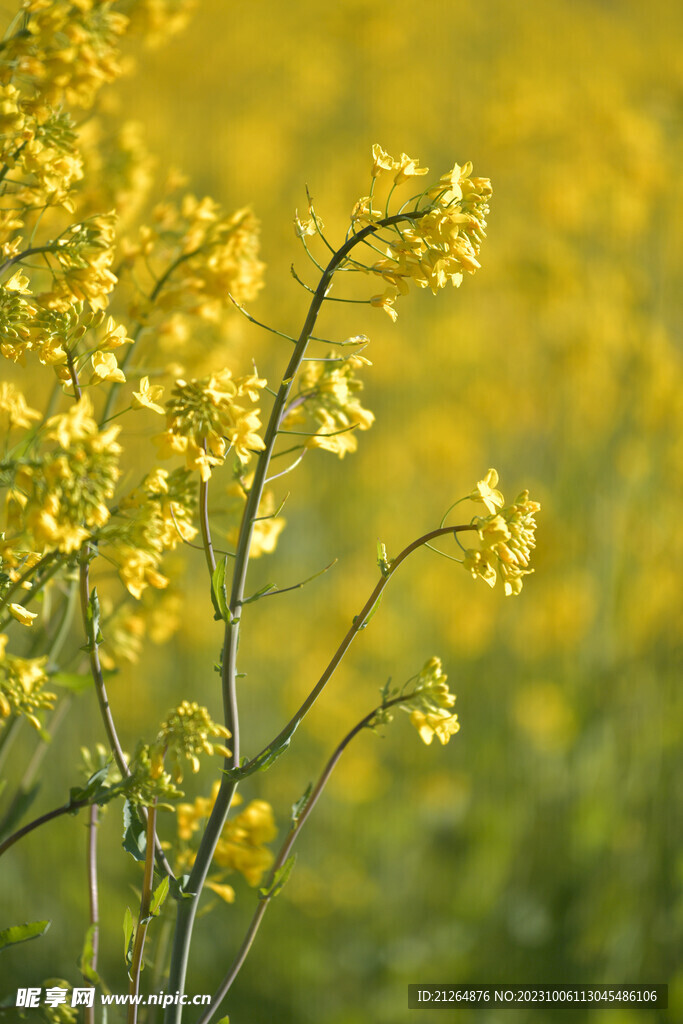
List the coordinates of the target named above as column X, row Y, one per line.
column 544, row 843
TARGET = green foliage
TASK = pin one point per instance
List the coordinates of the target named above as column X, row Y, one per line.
column 22, row 933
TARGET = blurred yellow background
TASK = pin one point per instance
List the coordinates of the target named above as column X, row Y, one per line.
column 543, row 844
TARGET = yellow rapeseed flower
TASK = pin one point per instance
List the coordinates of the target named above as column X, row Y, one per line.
column 22, row 615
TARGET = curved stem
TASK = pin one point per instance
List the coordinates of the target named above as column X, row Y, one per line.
column 73, row 805
column 187, row 908
column 96, row 667
column 34, row 251
column 281, row 859
column 103, row 699
column 27, row 575
column 359, row 623
column 143, row 916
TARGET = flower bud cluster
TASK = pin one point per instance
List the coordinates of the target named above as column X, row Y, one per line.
column 21, row 686
column 428, row 701
column 60, row 496
column 188, row 732
column 69, row 50
column 152, row 520
column 214, row 256
column 207, row 418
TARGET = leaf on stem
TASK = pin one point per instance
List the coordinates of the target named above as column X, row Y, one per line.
column 85, row 963
column 22, row 933
column 366, row 620
column 219, row 593
column 128, row 936
column 281, row 876
column 93, row 616
column 134, row 831
column 300, row 806
column 158, row 897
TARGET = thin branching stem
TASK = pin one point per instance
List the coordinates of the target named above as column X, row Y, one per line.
column 271, row 888
column 93, row 900
column 359, row 623
column 69, row 808
column 187, row 907
column 143, row 916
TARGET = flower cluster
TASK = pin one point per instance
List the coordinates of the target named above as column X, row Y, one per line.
column 17, row 312
column 440, row 239
column 207, row 418
column 14, row 409
column 21, row 686
column 152, row 520
column 507, row 537
column 149, row 783
column 428, row 701
column 213, row 256
column 58, row 498
column 328, row 393
column 243, row 842
column 38, row 146
column 188, row 732
column 82, row 258
column 69, row 50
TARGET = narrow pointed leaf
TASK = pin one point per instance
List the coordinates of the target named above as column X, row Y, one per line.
column 22, row 933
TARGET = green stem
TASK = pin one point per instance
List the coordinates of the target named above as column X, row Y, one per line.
column 187, row 907
column 359, row 623
column 282, row 856
column 25, row 254
column 143, row 916
column 70, row 808
column 103, row 699
column 93, row 899
column 27, row 575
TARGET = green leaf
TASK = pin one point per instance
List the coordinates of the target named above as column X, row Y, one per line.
column 178, row 888
column 22, row 933
column 158, row 897
column 128, row 936
column 81, row 793
column 265, row 760
column 281, row 876
column 93, row 616
column 219, row 593
column 299, row 807
column 267, row 589
column 372, row 611
column 76, row 682
column 85, row 962
column 134, row 831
